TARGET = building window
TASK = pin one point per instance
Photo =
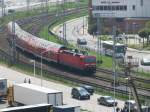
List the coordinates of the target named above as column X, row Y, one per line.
column 105, row 7
column 111, row 8
column 125, row 7
column 101, row 7
column 121, row 7
column 133, row 7
column 117, row 7
column 141, row 2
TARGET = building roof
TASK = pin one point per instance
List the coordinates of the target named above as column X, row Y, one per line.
column 111, row 43
column 37, row 88
column 66, row 106
column 3, row 79
column 24, row 107
column 35, row 41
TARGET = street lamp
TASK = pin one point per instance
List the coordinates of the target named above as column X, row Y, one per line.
column 83, row 25
column 42, row 66
column 33, row 61
column 13, row 31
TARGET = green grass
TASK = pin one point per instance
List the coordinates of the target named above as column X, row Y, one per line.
column 44, row 31
column 142, row 73
column 44, row 34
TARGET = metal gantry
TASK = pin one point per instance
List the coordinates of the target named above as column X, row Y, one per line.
column 128, row 64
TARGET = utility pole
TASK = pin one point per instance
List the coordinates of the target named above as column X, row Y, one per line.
column 77, row 5
column 64, row 23
column 13, row 39
column 114, row 67
column 83, row 25
column 98, row 32
column 46, row 5
column 3, row 7
column 57, row 10
column 28, row 5
column 42, row 4
column 99, row 39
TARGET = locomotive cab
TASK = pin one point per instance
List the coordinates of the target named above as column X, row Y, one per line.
column 89, row 63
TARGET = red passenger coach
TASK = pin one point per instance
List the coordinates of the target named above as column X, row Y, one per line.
column 34, row 45
column 51, row 51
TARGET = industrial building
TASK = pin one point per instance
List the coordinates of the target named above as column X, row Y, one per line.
column 130, row 15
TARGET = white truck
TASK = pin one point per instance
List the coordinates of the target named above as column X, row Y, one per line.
column 29, row 94
column 3, row 88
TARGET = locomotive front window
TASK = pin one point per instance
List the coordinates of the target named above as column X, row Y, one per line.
column 90, row 60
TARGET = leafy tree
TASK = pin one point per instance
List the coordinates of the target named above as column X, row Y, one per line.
column 144, row 33
column 92, row 28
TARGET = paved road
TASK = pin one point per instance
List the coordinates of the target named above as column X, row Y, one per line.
column 90, row 105
column 75, row 30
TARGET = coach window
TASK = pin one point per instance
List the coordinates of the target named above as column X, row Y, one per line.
column 133, row 7
column 49, row 53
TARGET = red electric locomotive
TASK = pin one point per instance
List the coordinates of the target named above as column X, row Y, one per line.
column 52, row 51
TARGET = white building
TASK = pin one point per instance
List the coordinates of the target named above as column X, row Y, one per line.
column 121, row 8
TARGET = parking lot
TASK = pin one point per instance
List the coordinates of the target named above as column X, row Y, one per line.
column 90, row 105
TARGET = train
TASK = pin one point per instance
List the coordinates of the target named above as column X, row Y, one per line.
column 51, row 51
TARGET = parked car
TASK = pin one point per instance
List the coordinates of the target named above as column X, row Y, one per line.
column 145, row 62
column 107, row 101
column 80, row 93
column 89, row 89
column 11, row 11
column 81, row 41
column 130, row 103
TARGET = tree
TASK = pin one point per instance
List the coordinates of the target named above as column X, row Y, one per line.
column 92, row 26
column 144, row 33
column 147, row 30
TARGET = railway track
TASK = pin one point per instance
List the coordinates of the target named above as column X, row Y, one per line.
column 96, row 82
column 123, row 75
column 121, row 79
column 120, row 83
